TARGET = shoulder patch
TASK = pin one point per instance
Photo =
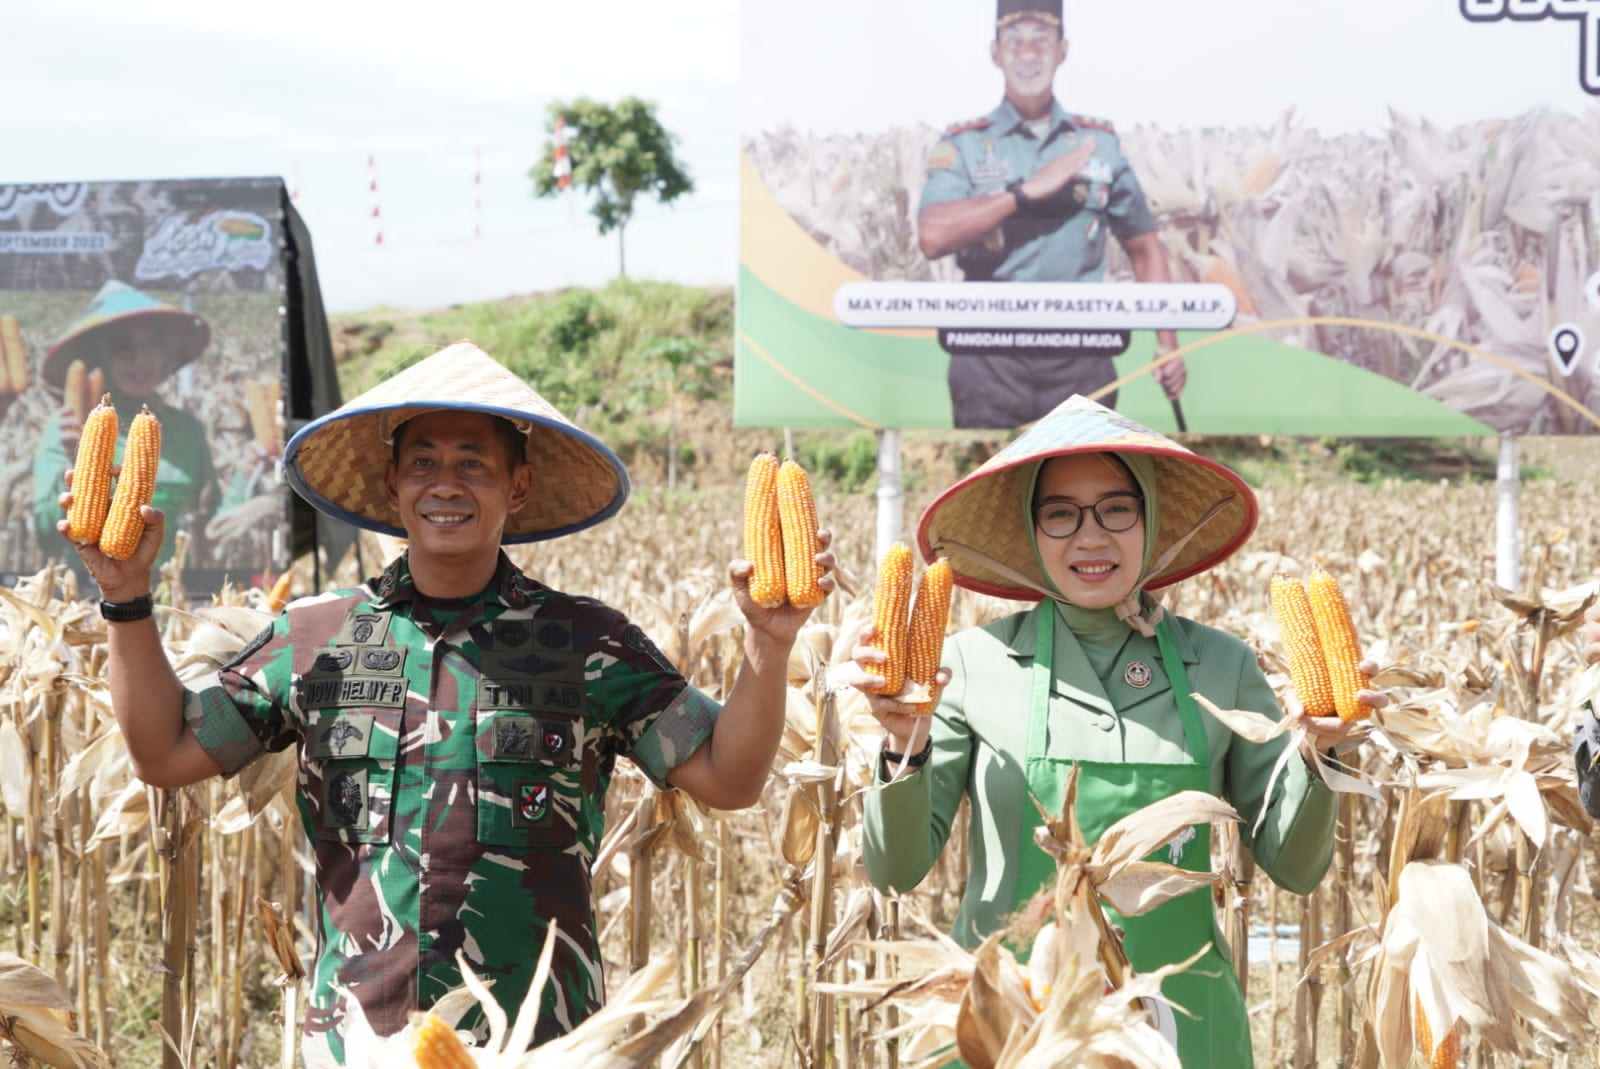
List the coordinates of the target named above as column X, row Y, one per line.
column 635, row 639
column 1092, row 122
column 943, row 157
column 970, row 124
column 262, row 638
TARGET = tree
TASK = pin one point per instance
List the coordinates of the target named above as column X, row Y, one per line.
column 617, row 153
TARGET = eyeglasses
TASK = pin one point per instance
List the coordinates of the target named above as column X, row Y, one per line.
column 1115, row 513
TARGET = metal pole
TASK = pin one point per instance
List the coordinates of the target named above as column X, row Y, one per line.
column 891, row 491
column 1507, row 490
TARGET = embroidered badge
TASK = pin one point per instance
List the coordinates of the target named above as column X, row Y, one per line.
column 380, row 660
column 333, row 661
column 1136, row 675
column 533, row 802
column 340, row 733
column 346, row 799
column 512, row 737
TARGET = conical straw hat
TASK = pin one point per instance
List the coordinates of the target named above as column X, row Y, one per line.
column 338, row 462
column 981, row 525
column 184, row 336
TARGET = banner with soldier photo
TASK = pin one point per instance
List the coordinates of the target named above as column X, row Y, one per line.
column 175, row 295
column 1340, row 217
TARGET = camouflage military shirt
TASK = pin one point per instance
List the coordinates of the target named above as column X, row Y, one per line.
column 454, row 759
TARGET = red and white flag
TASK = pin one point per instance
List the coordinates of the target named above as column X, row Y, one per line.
column 563, row 164
column 377, row 214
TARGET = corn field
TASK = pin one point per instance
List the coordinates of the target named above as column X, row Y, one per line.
column 148, row 927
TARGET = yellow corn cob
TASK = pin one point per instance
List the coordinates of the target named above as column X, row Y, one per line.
column 436, row 1046
column 91, row 474
column 74, row 391
column 5, row 373
column 797, row 513
column 16, row 353
column 1447, row 1055
column 262, row 398
column 890, row 603
column 930, row 617
column 278, row 595
column 94, row 388
column 763, row 533
column 1340, row 646
column 136, row 485
column 1308, row 669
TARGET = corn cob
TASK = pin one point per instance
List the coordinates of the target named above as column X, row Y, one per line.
column 1308, row 669
column 136, row 485
column 1447, row 1055
column 890, row 602
column 1340, row 646
column 763, row 534
column 5, row 373
column 436, row 1046
column 91, row 474
column 797, row 513
column 94, row 388
column 75, row 391
column 262, row 398
column 16, row 353
column 930, row 617
column 278, row 595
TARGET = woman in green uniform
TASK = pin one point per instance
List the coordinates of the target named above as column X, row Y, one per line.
column 138, row 342
column 1085, row 513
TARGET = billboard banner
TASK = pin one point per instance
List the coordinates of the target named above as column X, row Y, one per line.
column 1341, row 217
column 172, row 295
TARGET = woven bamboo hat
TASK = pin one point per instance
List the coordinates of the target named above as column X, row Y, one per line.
column 338, row 461
column 982, row 524
column 184, row 336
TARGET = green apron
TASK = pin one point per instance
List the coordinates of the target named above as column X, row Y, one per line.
column 1219, row 1032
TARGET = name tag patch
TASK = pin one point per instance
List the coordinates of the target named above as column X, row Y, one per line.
column 556, row 695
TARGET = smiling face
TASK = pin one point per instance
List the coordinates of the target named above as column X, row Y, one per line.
column 1028, row 53
column 1092, row 567
column 134, row 357
column 453, row 481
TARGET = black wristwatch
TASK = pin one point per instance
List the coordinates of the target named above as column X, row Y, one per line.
column 124, row 612
column 1024, row 202
column 888, row 760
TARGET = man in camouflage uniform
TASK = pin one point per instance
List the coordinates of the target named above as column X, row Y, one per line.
column 1027, row 193
column 457, row 722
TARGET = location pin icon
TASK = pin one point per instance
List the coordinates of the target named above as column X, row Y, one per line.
column 1566, row 342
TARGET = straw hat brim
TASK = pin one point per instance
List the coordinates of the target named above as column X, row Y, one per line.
column 981, row 520
column 338, row 463
column 186, row 338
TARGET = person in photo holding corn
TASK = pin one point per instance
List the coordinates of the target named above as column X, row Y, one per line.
column 457, row 722
column 129, row 344
column 1087, row 513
